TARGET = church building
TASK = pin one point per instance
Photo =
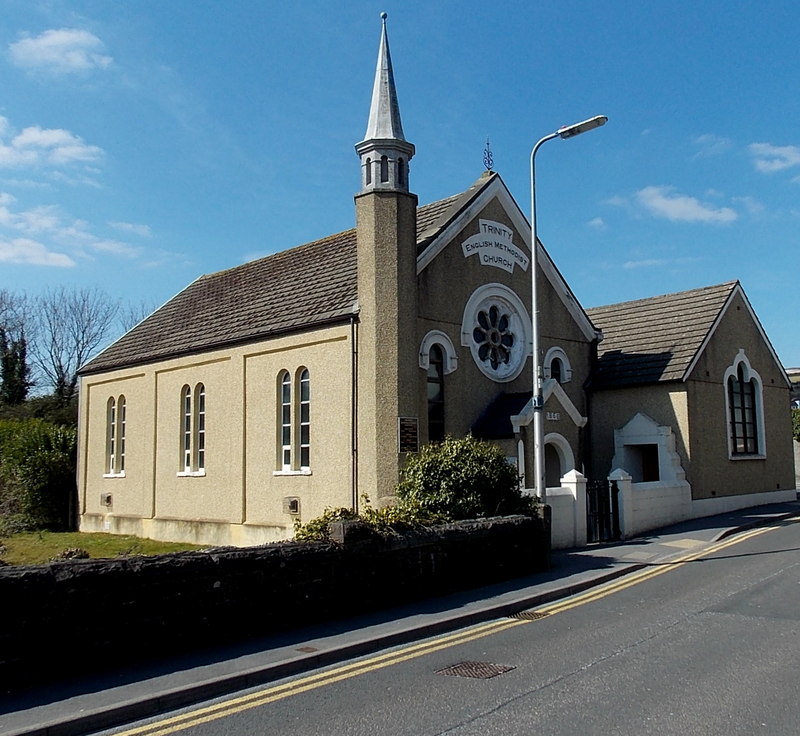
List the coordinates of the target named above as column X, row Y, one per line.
column 271, row 391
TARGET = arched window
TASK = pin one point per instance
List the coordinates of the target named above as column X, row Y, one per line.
column 193, row 430
column 368, row 172
column 305, row 420
column 384, row 168
column 435, row 393
column 557, row 370
column 402, row 174
column 742, row 419
column 115, row 436
column 745, row 409
column 557, row 365
column 294, row 422
column 285, row 427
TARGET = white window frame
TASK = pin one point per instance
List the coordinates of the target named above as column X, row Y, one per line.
column 193, row 430
column 293, row 422
column 557, row 353
column 115, row 437
column 750, row 375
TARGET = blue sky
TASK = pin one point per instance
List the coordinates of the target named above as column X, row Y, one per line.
column 145, row 143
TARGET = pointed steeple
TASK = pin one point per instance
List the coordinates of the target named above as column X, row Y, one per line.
column 384, row 152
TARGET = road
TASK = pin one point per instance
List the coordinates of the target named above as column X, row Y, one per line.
column 705, row 646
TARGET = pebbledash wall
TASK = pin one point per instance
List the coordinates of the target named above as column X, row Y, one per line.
column 239, row 496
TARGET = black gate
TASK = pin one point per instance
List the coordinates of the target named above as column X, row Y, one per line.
column 602, row 511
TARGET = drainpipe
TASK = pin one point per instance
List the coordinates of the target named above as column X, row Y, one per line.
column 354, row 411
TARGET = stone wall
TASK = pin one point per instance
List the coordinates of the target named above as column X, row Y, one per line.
column 74, row 616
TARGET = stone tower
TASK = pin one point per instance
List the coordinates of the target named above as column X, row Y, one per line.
column 387, row 288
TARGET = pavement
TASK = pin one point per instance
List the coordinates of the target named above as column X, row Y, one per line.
column 121, row 696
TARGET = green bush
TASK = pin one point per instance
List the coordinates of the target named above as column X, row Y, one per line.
column 796, row 424
column 389, row 520
column 463, row 478
column 37, row 475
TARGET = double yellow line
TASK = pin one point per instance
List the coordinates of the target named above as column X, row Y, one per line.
column 232, row 706
column 311, row 682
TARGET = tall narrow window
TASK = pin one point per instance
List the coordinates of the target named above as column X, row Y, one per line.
column 305, row 420
column 121, row 434
column 186, row 407
column 193, row 429
column 200, row 433
column 435, row 394
column 557, row 370
column 115, row 436
column 368, row 172
column 286, row 421
column 294, row 422
column 742, row 407
column 384, row 168
column 402, row 173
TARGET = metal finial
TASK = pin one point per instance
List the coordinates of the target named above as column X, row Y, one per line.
column 384, row 16
column 488, row 161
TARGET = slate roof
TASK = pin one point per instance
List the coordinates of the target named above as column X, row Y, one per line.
column 655, row 339
column 306, row 286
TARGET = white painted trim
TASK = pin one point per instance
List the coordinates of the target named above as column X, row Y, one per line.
column 749, row 374
column 521, row 324
column 303, row 471
column 443, row 339
column 550, row 387
column 557, row 352
column 736, row 291
column 191, row 473
column 497, row 188
column 562, row 447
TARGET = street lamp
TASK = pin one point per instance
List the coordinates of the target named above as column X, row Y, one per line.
column 567, row 131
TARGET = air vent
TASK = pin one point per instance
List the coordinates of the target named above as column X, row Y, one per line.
column 291, row 505
column 106, row 499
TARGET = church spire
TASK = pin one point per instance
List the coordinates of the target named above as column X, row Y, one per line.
column 384, row 152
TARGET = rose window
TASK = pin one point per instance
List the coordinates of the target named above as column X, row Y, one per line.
column 493, row 336
column 495, row 328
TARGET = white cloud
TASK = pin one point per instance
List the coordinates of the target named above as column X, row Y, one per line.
column 33, row 253
column 130, row 227
column 56, row 234
column 597, row 223
column 36, row 146
column 644, row 263
column 666, row 203
column 751, row 204
column 768, row 158
column 115, row 247
column 60, row 51
column 711, row 145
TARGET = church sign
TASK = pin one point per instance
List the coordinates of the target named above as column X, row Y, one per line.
column 494, row 247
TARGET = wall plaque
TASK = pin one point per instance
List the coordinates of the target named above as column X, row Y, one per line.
column 407, row 434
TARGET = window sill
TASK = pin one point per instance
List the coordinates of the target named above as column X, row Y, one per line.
column 303, row 471
column 114, row 475
column 747, row 457
column 191, row 474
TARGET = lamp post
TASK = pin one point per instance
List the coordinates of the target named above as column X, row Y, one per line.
column 567, row 131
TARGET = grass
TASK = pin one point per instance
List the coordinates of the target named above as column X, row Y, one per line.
column 34, row 548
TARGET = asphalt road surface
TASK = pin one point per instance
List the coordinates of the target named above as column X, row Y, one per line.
column 708, row 645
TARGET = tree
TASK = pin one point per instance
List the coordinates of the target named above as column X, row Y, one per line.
column 71, row 325
column 14, row 369
column 15, row 374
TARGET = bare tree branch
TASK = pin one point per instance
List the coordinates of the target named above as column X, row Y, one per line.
column 71, row 326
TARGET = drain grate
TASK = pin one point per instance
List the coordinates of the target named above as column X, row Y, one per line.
column 476, row 670
column 529, row 615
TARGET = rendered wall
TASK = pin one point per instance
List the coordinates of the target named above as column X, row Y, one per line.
column 239, row 498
